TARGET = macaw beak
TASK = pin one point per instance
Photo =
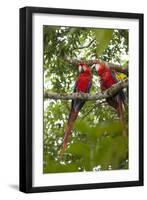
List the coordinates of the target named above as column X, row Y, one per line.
column 93, row 67
column 81, row 69
column 96, row 66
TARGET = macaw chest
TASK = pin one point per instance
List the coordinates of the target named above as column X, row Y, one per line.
column 83, row 83
column 106, row 80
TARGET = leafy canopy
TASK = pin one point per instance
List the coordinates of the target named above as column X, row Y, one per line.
column 96, row 142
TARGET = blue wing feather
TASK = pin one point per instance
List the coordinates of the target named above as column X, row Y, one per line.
column 114, row 76
column 89, row 86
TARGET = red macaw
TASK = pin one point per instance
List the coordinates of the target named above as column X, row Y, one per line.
column 108, row 78
column 83, row 84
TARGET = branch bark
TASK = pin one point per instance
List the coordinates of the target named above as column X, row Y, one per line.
column 88, row 97
column 113, row 66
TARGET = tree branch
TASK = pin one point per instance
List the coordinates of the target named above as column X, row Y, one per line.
column 86, row 96
column 112, row 66
column 86, row 46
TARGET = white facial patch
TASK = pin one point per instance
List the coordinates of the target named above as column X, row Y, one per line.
column 80, row 68
column 84, row 68
column 97, row 66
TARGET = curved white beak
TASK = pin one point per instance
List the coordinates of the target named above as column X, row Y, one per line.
column 93, row 66
column 97, row 66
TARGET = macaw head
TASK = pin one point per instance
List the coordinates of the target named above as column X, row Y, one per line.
column 99, row 67
column 83, row 68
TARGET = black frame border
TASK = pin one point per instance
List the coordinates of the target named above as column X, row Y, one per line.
column 25, row 98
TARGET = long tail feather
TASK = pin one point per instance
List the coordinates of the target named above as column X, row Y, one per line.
column 121, row 111
column 73, row 115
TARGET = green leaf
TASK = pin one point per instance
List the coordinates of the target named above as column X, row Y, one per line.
column 110, row 127
column 111, row 152
column 79, row 148
column 103, row 36
column 54, row 167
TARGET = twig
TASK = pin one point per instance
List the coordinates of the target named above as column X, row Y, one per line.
column 86, row 46
column 96, row 104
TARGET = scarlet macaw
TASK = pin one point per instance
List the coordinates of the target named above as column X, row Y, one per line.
column 83, row 84
column 108, row 78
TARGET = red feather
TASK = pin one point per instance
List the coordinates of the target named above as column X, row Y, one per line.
column 83, row 84
column 107, row 79
column 69, row 127
column 83, row 80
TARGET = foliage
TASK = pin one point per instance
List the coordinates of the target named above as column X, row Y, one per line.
column 102, row 36
column 96, row 142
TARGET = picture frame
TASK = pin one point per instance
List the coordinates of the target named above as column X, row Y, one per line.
column 27, row 89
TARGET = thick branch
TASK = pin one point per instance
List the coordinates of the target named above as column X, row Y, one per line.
column 86, row 96
column 118, row 68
